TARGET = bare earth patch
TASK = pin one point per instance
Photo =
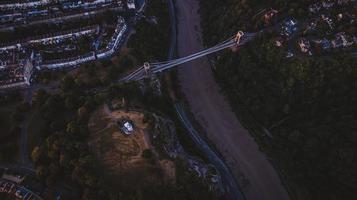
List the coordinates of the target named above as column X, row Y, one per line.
column 120, row 155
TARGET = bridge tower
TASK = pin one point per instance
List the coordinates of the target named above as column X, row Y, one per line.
column 239, row 35
column 154, row 82
column 147, row 68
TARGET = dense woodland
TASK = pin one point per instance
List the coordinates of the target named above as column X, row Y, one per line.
column 308, row 104
column 11, row 117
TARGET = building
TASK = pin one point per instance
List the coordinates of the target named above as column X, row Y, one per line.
column 279, row 42
column 289, row 27
column 16, row 75
column 127, row 127
column 325, row 44
column 342, row 40
column 269, row 15
column 305, row 46
column 131, row 4
column 23, row 5
column 328, row 21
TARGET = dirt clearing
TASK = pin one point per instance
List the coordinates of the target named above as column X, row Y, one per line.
column 120, row 155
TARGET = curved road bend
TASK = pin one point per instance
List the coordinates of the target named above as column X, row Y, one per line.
column 254, row 173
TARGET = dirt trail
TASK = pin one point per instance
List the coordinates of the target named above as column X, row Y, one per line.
column 251, row 168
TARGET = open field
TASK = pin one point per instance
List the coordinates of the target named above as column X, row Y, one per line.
column 120, row 155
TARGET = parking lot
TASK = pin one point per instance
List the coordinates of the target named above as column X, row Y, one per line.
column 12, row 189
column 19, row 183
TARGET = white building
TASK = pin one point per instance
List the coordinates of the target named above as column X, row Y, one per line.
column 131, row 4
column 127, row 128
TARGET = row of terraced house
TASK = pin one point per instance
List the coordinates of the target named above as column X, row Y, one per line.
column 18, row 62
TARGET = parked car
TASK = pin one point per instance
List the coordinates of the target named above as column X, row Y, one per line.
column 2, row 186
column 29, row 196
column 20, row 193
column 9, row 187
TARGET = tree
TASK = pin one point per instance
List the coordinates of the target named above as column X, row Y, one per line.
column 41, row 171
column 17, row 116
column 36, row 154
column 82, row 113
column 147, row 154
column 72, row 127
column 67, row 83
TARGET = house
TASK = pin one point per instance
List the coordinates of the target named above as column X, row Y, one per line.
column 342, row 40
column 312, row 26
column 16, row 75
column 131, row 4
column 9, row 17
column 325, row 44
column 327, row 4
column 305, row 46
column 327, row 20
column 289, row 27
column 314, row 8
column 269, row 15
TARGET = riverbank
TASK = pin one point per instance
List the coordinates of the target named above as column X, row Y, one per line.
column 251, row 168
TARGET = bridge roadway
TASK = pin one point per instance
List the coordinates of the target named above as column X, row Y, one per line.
column 158, row 67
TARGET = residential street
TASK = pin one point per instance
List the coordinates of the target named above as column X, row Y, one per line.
column 255, row 174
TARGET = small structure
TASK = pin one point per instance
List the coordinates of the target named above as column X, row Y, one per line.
column 269, row 15
column 289, row 27
column 314, row 8
column 289, row 54
column 131, row 4
column 147, row 68
column 126, row 127
column 325, row 44
column 279, row 42
column 305, row 46
column 328, row 21
column 342, row 40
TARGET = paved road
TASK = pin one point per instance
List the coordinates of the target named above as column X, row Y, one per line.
column 24, row 148
column 24, row 153
column 254, row 173
column 231, row 187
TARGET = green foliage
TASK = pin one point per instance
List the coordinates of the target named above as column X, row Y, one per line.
column 11, row 115
column 147, row 154
column 309, row 104
column 150, row 42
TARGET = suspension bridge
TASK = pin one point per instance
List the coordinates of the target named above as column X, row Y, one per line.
column 148, row 69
